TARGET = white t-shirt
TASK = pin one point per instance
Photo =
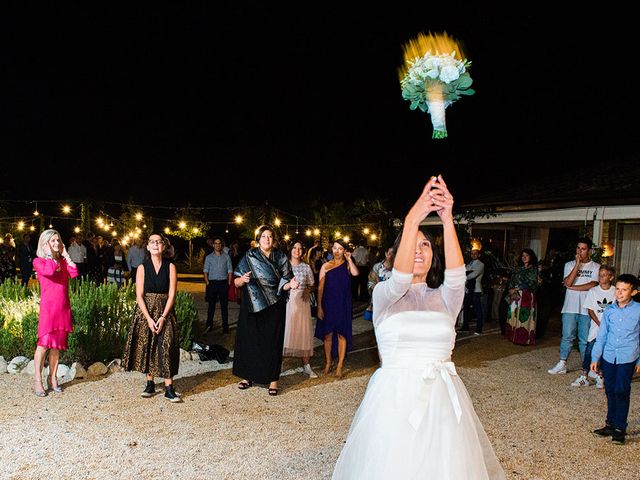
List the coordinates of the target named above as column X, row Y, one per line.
column 574, row 300
column 597, row 300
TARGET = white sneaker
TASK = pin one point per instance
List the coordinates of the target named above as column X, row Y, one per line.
column 593, row 375
column 307, row 371
column 581, row 381
column 561, row 367
column 599, row 382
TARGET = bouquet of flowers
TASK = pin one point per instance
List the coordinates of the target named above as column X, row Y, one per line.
column 431, row 80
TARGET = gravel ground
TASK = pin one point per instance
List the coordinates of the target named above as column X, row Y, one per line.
column 102, row 429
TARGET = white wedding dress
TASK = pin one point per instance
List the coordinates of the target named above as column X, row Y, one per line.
column 416, row 420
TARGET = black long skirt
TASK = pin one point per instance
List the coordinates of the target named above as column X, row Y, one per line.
column 259, row 341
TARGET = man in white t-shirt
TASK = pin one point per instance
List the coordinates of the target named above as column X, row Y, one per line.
column 598, row 298
column 580, row 276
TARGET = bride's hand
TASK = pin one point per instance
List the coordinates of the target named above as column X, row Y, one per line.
column 442, row 199
column 425, row 203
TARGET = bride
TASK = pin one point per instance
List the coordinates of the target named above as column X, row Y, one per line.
column 416, row 419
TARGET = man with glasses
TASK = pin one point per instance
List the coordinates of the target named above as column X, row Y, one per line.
column 218, row 274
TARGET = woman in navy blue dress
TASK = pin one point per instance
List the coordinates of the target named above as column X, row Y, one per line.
column 334, row 306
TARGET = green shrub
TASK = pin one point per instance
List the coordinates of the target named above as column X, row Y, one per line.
column 186, row 314
column 12, row 289
column 101, row 318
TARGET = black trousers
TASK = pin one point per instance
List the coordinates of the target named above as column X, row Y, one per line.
column 218, row 290
column 473, row 299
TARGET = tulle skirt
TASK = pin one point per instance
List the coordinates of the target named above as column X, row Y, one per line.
column 298, row 332
column 383, row 444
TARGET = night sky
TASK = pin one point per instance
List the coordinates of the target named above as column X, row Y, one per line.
column 218, row 103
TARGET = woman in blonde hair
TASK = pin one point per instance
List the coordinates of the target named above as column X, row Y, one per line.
column 54, row 268
column 153, row 346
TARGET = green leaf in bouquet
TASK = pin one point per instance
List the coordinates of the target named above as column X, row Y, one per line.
column 464, row 81
column 468, row 91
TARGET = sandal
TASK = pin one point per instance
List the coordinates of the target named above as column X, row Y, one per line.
column 57, row 388
column 244, row 384
column 39, row 392
column 273, row 391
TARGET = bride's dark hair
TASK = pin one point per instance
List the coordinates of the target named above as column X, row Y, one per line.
column 435, row 275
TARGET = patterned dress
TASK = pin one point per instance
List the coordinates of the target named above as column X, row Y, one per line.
column 298, row 333
column 521, row 319
column 146, row 352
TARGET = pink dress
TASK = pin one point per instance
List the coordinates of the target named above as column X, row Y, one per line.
column 55, row 308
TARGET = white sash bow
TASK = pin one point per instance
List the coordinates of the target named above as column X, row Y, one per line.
column 445, row 369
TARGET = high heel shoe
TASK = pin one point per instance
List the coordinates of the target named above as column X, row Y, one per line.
column 57, row 388
column 38, row 389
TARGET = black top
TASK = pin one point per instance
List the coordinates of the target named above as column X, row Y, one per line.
column 156, row 283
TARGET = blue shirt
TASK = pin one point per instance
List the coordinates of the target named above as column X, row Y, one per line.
column 218, row 266
column 618, row 340
column 136, row 257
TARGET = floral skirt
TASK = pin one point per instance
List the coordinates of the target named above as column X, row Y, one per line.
column 521, row 319
column 150, row 353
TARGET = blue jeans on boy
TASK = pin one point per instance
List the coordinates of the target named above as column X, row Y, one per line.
column 586, row 359
column 617, row 386
column 573, row 323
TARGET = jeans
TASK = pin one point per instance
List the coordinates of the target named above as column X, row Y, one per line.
column 586, row 359
column 573, row 323
column 617, row 386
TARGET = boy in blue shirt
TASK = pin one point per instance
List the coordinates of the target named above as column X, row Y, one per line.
column 617, row 349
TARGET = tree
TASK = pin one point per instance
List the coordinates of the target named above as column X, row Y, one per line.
column 188, row 227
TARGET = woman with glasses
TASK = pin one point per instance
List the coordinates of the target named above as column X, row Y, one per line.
column 152, row 344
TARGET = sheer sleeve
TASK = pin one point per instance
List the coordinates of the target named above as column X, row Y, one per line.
column 386, row 293
column 452, row 290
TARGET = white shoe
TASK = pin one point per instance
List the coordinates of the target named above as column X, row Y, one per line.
column 581, row 381
column 593, row 375
column 599, row 382
column 307, row 371
column 561, row 367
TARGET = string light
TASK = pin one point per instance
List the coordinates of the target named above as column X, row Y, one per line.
column 346, row 238
column 182, row 225
column 316, row 232
column 238, row 219
column 20, row 226
column 307, row 232
column 287, row 237
column 32, row 228
column 77, row 229
column 277, row 222
column 167, row 230
column 374, row 237
column 138, row 216
column 366, row 231
column 66, row 209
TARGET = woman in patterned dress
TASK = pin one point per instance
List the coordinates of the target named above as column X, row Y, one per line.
column 152, row 344
column 298, row 332
column 521, row 296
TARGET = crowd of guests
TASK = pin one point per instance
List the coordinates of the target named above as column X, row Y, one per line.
column 281, row 290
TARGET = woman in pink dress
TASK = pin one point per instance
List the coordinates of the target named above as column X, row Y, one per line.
column 298, row 332
column 54, row 268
